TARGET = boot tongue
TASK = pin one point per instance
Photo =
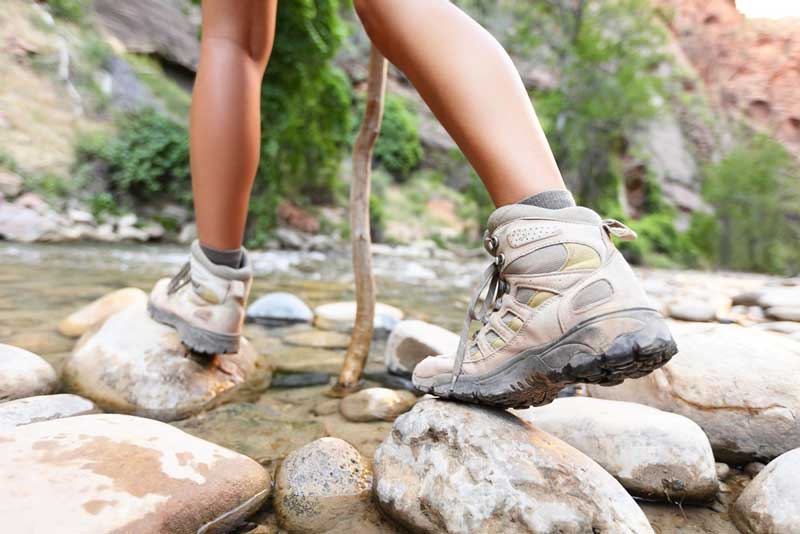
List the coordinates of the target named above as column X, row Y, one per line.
column 517, row 211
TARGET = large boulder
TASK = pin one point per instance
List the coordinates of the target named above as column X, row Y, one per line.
column 771, row 502
column 97, row 311
column 43, row 408
column 24, row 374
column 654, row 454
column 412, row 341
column 326, row 486
column 117, row 473
column 168, row 29
column 461, row 469
column 132, row 364
column 739, row 384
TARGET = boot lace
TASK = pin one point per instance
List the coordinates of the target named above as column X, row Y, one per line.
column 181, row 279
column 495, row 286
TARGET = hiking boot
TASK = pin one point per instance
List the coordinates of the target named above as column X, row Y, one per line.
column 204, row 303
column 562, row 306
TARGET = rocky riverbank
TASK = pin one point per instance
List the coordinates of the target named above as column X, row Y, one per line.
column 682, row 450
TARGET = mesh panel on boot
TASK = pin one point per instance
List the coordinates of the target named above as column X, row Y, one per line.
column 591, row 294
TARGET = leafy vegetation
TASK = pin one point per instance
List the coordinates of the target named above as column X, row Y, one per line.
column 72, row 10
column 756, row 196
column 306, row 117
column 147, row 159
column 398, row 148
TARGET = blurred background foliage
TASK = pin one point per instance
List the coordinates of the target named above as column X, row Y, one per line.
column 610, row 76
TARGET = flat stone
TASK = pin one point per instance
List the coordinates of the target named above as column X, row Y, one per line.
column 455, row 468
column 692, row 311
column 653, row 454
column 254, row 431
column 279, row 308
column 341, row 316
column 132, row 364
column 306, row 359
column 319, row 339
column 77, row 323
column 326, row 486
column 779, row 297
column 412, row 341
column 117, row 473
column 24, row 374
column 739, row 384
column 376, row 404
column 771, row 502
column 782, row 327
column 43, row 408
column 784, row 313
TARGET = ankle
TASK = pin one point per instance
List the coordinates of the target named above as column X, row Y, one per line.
column 228, row 258
column 553, row 199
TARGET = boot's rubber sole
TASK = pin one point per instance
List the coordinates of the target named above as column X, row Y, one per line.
column 196, row 339
column 535, row 377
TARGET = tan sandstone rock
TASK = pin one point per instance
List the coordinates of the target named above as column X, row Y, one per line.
column 117, row 473
column 739, row 384
column 654, row 454
column 132, row 364
column 77, row 323
column 24, row 374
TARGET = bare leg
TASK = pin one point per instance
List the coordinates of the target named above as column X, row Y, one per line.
column 225, row 118
column 473, row 88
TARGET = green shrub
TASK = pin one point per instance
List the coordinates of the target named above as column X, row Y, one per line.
column 398, row 148
column 306, row 117
column 73, row 10
column 756, row 195
column 147, row 159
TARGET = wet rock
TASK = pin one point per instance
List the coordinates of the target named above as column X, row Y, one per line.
column 319, row 339
column 279, row 308
column 24, row 374
column 77, row 323
column 281, row 379
column 455, row 468
column 723, row 470
column 376, row 404
column 771, row 502
column 10, row 184
column 692, row 311
column 306, row 360
column 653, row 454
column 753, row 469
column 132, row 364
column 326, row 487
column 784, row 313
column 412, row 341
column 341, row 316
column 117, row 473
column 739, row 384
column 252, row 430
column 43, row 408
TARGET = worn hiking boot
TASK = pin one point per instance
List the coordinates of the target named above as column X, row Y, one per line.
column 204, row 303
column 562, row 306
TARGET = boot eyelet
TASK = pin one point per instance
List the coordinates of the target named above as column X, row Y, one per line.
column 499, row 260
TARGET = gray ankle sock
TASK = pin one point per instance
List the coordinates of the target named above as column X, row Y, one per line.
column 554, row 199
column 228, row 258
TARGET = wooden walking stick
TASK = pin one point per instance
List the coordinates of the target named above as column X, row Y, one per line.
column 358, row 350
